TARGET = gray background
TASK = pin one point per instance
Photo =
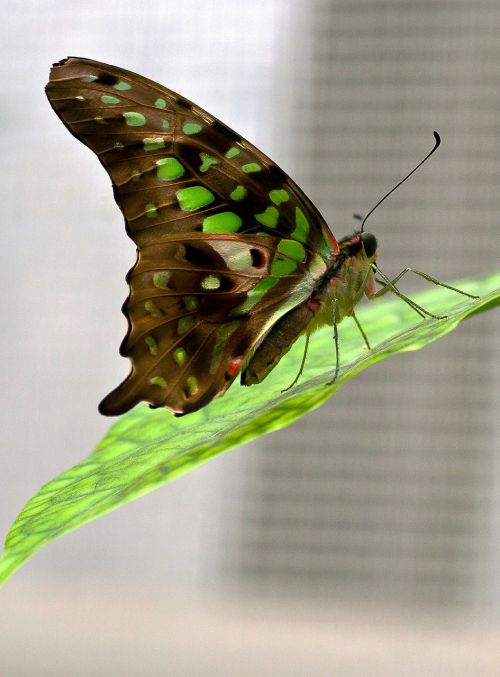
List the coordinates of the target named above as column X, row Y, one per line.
column 366, row 538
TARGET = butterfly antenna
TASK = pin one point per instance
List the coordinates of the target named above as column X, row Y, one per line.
column 436, row 146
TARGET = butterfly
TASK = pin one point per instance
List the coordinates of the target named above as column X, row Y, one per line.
column 234, row 262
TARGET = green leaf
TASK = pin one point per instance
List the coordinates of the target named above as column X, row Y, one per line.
column 147, row 448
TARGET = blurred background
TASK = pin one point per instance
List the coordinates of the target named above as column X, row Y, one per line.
column 364, row 540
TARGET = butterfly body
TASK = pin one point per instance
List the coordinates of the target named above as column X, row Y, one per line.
column 234, row 262
column 347, row 277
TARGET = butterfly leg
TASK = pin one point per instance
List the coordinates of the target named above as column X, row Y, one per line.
column 427, row 277
column 301, row 368
column 336, row 341
column 365, row 337
column 390, row 285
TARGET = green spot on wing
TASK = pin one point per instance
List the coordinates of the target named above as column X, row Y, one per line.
column 282, row 266
column 158, row 381
column 194, row 197
column 207, row 161
column 160, row 103
column 239, row 193
column 122, row 86
column 293, row 249
column 190, row 127
column 326, row 248
column 232, row 152
column 301, row 230
column 180, row 356
column 152, row 309
column 256, row 294
column 165, row 124
column 151, row 344
column 269, row 217
column 153, row 143
column 279, row 196
column 161, row 278
column 109, row 99
column 88, row 78
column 210, row 283
column 169, row 169
column 150, row 210
column 251, row 167
column 134, row 119
column 221, row 338
column 192, row 385
column 80, row 98
column 289, row 252
column 225, row 222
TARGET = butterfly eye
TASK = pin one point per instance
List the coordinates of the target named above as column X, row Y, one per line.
column 369, row 243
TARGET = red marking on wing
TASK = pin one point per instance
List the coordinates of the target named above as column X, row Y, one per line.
column 234, row 367
column 331, row 239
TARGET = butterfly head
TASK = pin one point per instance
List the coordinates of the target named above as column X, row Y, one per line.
column 358, row 243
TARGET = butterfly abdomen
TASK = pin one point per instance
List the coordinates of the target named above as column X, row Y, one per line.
column 277, row 342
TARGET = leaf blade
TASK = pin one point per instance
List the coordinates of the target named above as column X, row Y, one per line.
column 145, row 449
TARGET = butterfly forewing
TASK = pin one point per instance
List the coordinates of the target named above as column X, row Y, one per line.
column 227, row 243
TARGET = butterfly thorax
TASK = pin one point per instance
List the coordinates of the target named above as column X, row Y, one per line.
column 349, row 275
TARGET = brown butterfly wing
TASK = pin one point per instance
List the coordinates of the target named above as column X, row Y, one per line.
column 190, row 325
column 227, row 243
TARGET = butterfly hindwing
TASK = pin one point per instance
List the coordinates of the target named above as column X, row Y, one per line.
column 227, row 243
